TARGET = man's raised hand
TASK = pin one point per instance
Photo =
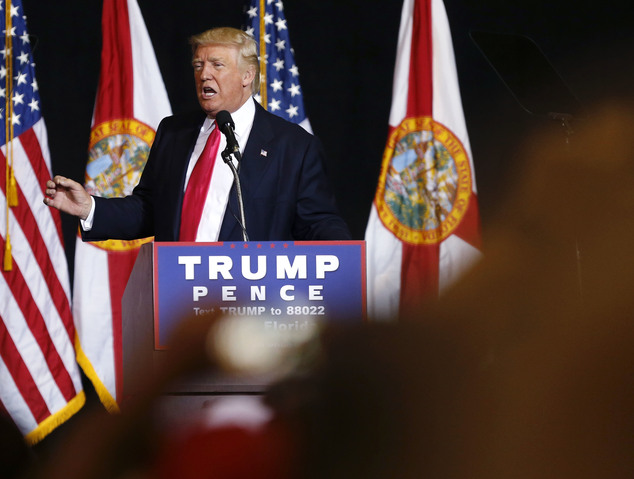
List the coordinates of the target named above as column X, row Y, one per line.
column 68, row 196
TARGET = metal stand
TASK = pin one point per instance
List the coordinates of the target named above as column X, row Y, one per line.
column 536, row 86
column 227, row 157
column 566, row 120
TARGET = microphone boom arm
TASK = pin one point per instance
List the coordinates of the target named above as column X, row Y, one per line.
column 226, row 125
column 226, row 156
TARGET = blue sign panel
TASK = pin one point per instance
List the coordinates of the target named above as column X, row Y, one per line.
column 285, row 284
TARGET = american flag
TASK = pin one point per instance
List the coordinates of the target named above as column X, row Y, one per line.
column 280, row 92
column 40, row 383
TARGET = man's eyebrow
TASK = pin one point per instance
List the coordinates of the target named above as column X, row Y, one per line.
column 207, row 59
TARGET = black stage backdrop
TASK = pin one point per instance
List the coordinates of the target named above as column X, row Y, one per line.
column 345, row 52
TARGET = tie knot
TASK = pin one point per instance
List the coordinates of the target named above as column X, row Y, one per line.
column 214, row 134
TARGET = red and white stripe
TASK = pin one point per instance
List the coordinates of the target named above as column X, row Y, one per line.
column 41, row 384
column 131, row 86
column 422, row 86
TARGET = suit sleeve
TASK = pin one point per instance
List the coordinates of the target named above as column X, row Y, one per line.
column 317, row 216
column 131, row 217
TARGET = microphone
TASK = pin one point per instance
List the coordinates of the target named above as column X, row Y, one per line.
column 226, row 125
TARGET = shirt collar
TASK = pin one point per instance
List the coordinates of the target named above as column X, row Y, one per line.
column 242, row 118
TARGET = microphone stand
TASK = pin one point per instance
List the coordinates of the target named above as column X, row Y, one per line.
column 226, row 156
column 566, row 120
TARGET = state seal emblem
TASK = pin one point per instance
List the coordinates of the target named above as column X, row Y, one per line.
column 425, row 183
column 117, row 153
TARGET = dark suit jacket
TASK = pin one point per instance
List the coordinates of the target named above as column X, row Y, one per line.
column 286, row 193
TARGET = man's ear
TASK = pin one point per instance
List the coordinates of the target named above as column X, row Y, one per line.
column 248, row 77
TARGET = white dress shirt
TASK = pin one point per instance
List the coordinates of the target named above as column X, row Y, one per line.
column 221, row 176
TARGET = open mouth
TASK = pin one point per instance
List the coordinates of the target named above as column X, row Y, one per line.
column 208, row 92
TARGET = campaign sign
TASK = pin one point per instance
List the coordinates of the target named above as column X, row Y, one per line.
column 286, row 284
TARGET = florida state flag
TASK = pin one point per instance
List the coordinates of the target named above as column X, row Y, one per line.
column 131, row 101
column 424, row 227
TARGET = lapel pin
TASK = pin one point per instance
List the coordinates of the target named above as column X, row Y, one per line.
column 263, row 152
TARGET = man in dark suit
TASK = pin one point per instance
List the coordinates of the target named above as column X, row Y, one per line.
column 286, row 193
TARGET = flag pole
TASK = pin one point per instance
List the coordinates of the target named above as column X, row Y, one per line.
column 262, row 44
column 11, row 194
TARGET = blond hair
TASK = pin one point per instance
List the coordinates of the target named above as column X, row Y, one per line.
column 246, row 45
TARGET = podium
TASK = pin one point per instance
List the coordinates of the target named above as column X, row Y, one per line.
column 280, row 286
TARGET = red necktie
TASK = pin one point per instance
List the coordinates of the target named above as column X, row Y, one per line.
column 197, row 188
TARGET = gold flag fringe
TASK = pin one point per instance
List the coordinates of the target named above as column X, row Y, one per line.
column 8, row 260
column 12, row 188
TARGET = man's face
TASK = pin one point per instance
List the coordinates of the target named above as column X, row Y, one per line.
column 221, row 82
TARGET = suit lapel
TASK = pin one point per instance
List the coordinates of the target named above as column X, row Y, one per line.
column 185, row 141
column 183, row 145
